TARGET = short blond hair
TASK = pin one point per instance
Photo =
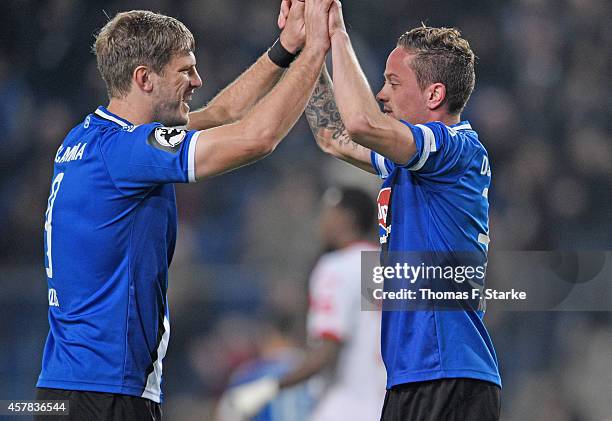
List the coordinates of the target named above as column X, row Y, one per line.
column 442, row 56
column 137, row 38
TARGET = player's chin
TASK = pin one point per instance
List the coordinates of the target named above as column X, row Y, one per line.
column 178, row 119
column 185, row 107
column 391, row 114
column 182, row 114
column 184, row 110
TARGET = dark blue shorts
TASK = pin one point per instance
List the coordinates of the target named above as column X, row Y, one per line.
column 443, row 400
column 95, row 406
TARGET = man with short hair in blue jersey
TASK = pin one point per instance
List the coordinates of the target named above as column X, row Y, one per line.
column 441, row 364
column 111, row 223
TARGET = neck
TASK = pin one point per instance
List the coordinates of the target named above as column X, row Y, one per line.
column 445, row 118
column 131, row 110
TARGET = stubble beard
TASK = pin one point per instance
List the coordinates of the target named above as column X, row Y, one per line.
column 169, row 113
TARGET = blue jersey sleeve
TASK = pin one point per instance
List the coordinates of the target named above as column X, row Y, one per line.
column 442, row 154
column 147, row 155
column 382, row 165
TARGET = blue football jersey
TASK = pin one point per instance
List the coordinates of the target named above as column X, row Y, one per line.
column 437, row 202
column 110, row 231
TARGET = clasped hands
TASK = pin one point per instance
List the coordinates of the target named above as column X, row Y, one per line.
column 309, row 23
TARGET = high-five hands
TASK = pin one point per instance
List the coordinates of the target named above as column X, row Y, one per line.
column 316, row 18
column 336, row 20
column 284, row 12
column 292, row 22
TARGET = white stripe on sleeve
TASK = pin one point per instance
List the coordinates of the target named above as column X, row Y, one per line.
column 382, row 168
column 429, row 145
column 191, row 157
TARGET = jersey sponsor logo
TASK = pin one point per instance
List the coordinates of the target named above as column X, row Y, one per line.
column 167, row 139
column 384, row 197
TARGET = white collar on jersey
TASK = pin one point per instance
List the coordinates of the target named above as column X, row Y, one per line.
column 463, row 125
column 105, row 114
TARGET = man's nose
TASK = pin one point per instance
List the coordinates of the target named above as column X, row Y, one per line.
column 196, row 81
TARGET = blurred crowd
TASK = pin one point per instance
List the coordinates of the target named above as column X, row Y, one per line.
column 248, row 239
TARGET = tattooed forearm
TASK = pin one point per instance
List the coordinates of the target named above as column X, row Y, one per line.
column 328, row 129
column 323, row 115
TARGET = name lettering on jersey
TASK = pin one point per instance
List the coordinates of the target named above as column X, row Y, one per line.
column 485, row 168
column 70, row 153
column 167, row 139
column 384, row 196
column 53, row 301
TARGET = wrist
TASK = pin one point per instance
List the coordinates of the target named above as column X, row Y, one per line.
column 291, row 47
column 314, row 55
column 315, row 50
column 280, row 56
column 339, row 36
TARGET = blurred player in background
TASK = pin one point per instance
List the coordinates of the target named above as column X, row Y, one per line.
column 278, row 354
column 111, row 223
column 441, row 365
column 344, row 340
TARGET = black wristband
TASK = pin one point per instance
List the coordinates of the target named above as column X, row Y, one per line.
column 280, row 56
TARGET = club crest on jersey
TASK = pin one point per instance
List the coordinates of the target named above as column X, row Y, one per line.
column 384, row 197
column 166, row 138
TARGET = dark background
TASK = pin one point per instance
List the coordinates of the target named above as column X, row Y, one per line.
column 248, row 239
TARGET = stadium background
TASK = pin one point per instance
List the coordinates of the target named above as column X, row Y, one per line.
column 248, row 239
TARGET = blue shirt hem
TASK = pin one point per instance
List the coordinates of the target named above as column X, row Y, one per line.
column 421, row 376
column 93, row 387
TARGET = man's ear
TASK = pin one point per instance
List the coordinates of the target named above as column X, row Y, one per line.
column 435, row 95
column 142, row 78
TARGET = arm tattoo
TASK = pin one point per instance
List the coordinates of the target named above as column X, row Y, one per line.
column 322, row 113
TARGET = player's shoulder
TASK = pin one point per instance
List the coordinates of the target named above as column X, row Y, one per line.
column 103, row 119
column 464, row 131
column 74, row 133
column 168, row 139
column 112, row 125
column 461, row 134
column 461, row 130
column 437, row 135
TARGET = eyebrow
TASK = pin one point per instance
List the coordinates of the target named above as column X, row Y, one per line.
column 390, row 75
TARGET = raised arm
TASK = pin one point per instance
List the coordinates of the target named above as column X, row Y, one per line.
column 328, row 129
column 234, row 102
column 224, row 148
column 365, row 123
